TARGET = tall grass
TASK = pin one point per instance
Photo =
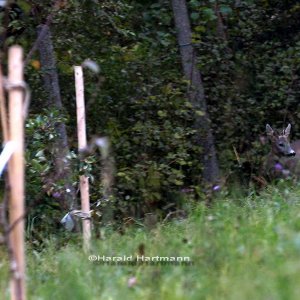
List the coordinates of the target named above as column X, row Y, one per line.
column 243, row 248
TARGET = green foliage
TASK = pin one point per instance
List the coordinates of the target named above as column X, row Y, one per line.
column 250, row 73
column 41, row 137
column 42, row 204
column 239, row 251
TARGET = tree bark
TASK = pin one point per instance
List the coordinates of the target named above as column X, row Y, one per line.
column 61, row 147
column 204, row 136
column 221, row 32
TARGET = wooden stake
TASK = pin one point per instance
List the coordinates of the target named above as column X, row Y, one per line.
column 16, row 170
column 3, row 114
column 82, row 143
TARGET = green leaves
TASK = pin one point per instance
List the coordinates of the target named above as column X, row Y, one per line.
column 195, row 16
column 208, row 14
column 225, row 9
column 139, row 99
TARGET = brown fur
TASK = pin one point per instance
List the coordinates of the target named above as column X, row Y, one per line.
column 283, row 159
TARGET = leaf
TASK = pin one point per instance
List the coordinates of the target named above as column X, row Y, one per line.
column 209, row 14
column 226, row 10
column 165, row 43
column 40, row 153
column 200, row 28
column 195, row 3
column 162, row 113
column 178, row 182
column 36, row 64
column 26, row 7
column 200, row 113
column 195, row 16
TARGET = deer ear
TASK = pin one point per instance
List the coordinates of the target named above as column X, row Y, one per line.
column 287, row 131
column 269, row 130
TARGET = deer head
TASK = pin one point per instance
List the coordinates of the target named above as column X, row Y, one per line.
column 280, row 142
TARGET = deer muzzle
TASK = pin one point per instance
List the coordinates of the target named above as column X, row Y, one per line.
column 291, row 153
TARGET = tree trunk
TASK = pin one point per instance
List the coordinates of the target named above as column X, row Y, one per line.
column 221, row 32
column 204, row 136
column 61, row 148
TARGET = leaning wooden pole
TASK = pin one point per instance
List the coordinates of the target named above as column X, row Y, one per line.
column 3, row 112
column 82, row 143
column 16, row 170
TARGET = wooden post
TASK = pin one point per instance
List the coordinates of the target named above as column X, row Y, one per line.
column 3, row 110
column 16, row 170
column 82, row 143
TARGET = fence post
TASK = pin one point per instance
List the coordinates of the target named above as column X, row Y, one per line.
column 82, row 143
column 16, row 170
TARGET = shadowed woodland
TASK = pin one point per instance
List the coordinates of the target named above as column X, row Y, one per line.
column 246, row 56
column 182, row 90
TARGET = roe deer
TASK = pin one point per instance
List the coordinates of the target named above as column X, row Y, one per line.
column 284, row 158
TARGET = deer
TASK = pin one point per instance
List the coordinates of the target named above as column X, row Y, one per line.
column 283, row 161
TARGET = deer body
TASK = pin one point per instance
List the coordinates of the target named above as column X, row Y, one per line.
column 284, row 158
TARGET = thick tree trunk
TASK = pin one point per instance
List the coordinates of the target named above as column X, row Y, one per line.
column 196, row 92
column 61, row 148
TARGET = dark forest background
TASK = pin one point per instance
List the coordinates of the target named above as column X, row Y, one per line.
column 248, row 54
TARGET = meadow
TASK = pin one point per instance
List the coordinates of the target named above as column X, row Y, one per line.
column 240, row 248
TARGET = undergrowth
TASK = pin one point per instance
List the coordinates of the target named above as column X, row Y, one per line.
column 242, row 248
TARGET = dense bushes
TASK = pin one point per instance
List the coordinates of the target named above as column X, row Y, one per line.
column 250, row 74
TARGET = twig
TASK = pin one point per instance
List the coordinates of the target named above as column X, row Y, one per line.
column 15, row 223
column 172, row 213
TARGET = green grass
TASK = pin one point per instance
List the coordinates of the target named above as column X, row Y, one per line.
column 244, row 248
